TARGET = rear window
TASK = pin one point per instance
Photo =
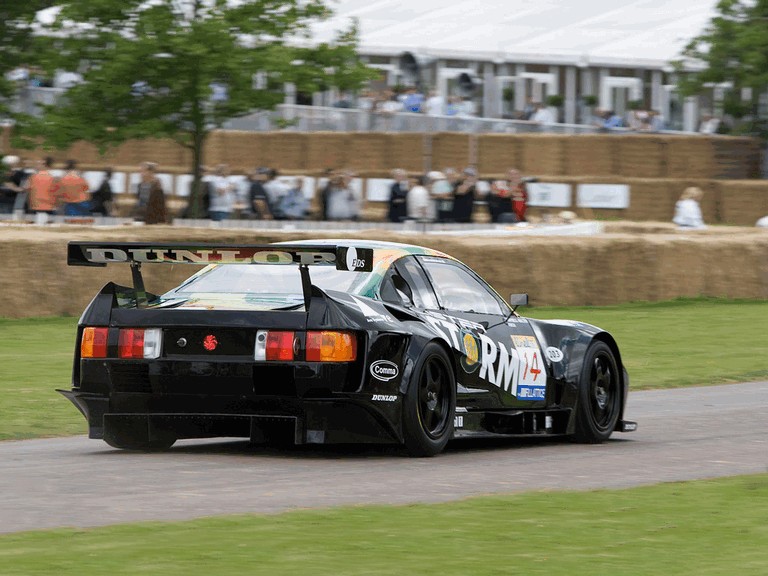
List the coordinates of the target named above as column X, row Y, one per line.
column 270, row 280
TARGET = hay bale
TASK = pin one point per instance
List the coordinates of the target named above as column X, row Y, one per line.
column 450, row 149
column 408, row 151
column 285, row 150
column 743, row 202
column 542, row 154
column 590, row 155
column 640, row 156
column 690, row 156
column 497, row 153
column 736, row 158
column 327, row 150
column 370, row 152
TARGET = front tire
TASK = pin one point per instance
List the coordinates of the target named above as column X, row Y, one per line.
column 599, row 395
column 430, row 403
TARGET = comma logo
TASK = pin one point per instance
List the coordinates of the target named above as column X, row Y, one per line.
column 384, row 370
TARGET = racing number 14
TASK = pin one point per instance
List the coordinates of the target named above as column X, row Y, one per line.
column 534, row 366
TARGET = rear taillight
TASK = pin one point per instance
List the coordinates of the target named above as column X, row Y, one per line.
column 328, row 346
column 93, row 344
column 280, row 345
column 321, row 346
column 145, row 343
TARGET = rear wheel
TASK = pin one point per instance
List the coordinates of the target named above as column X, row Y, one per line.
column 599, row 395
column 430, row 403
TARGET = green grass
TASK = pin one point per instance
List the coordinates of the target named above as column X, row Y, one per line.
column 682, row 342
column 35, row 359
column 703, row 528
column 677, row 343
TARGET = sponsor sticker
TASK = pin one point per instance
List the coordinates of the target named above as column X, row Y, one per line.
column 470, row 359
column 384, row 370
column 384, row 398
column 554, row 354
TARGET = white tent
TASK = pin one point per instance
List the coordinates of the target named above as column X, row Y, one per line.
column 640, row 33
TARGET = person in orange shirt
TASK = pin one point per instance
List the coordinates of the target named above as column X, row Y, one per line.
column 43, row 188
column 73, row 189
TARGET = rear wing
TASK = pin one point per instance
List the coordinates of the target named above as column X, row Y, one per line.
column 138, row 253
column 103, row 253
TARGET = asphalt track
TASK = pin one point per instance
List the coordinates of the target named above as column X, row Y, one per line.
column 684, row 434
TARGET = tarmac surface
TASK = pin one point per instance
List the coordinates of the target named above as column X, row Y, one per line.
column 684, row 434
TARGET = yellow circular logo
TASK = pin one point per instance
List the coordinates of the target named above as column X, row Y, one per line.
column 470, row 349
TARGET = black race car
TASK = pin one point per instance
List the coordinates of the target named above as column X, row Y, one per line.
column 331, row 342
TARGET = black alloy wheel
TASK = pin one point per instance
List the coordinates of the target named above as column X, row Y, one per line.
column 430, row 403
column 599, row 395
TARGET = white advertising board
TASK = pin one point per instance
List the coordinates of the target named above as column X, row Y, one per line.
column 549, row 194
column 613, row 196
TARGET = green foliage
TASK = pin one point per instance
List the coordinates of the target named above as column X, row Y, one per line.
column 732, row 49
column 16, row 39
column 555, row 100
column 636, row 105
column 704, row 528
column 589, row 100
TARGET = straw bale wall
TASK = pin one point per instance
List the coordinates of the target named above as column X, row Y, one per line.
column 601, row 270
column 625, row 155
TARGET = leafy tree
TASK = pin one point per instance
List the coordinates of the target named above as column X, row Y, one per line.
column 17, row 41
column 180, row 68
column 732, row 49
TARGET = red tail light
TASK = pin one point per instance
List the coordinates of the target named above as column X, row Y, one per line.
column 93, row 344
column 131, row 343
column 280, row 346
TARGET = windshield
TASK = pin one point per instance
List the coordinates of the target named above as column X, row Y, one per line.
column 269, row 281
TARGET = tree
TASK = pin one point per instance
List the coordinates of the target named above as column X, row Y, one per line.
column 732, row 50
column 180, row 68
column 17, row 41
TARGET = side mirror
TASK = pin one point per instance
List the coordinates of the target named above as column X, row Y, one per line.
column 518, row 300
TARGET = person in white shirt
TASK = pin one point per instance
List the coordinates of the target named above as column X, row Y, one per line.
column 687, row 209
column 222, row 199
column 435, row 104
column 543, row 116
column 420, row 204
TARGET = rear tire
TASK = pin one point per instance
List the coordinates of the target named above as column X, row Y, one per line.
column 430, row 403
column 599, row 395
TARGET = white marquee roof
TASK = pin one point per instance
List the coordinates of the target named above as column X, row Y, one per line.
column 636, row 33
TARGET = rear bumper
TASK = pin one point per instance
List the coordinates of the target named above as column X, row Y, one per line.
column 261, row 419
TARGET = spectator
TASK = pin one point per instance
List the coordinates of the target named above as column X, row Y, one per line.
column 222, row 195
column 529, row 109
column 43, row 189
column 294, row 205
column 413, row 100
column 259, row 198
column 464, row 196
column 453, row 107
column 608, row 119
column 466, row 107
column 442, row 193
column 150, row 207
column 73, row 189
column 342, row 203
column 435, row 104
column 12, row 184
column 508, row 199
column 688, row 210
column 398, row 194
column 543, row 116
column 276, row 189
column 420, row 205
column 101, row 199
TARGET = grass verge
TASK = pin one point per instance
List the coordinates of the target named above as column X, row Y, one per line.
column 679, row 343
column 695, row 528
